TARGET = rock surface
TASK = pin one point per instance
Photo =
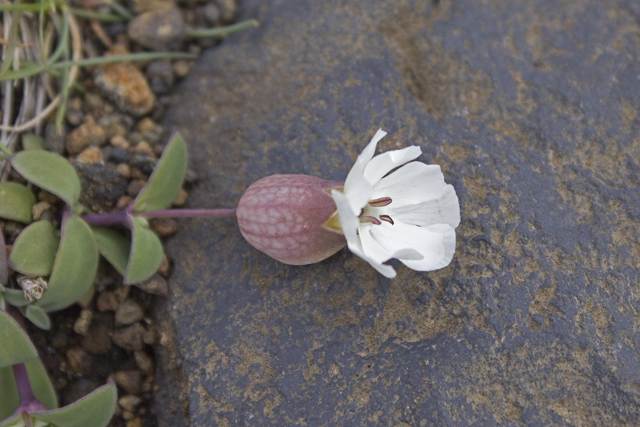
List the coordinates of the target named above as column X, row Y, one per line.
column 531, row 108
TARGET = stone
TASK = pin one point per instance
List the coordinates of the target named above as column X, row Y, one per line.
column 107, row 301
column 102, row 185
column 163, row 227
column 156, row 284
column 160, row 30
column 40, row 208
column 125, row 85
column 83, row 323
column 532, row 112
column 88, row 133
column 128, row 312
column 129, row 337
column 130, row 381
column 143, row 162
column 98, row 340
column 90, row 155
column 161, row 77
column 144, row 362
column 79, row 361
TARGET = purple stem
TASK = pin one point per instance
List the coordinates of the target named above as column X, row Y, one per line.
column 188, row 213
column 28, row 402
column 112, row 218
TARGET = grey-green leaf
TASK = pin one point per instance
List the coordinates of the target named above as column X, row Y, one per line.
column 21, row 348
column 15, row 297
column 49, row 171
column 38, row 317
column 146, row 252
column 95, row 409
column 4, row 272
column 31, row 141
column 16, row 202
column 114, row 247
column 41, row 384
column 34, row 250
column 8, row 393
column 166, row 180
column 74, row 268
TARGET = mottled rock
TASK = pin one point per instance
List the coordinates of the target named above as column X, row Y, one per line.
column 160, row 30
column 531, row 110
column 98, row 340
column 83, row 323
column 129, row 337
column 156, row 284
column 90, row 155
column 125, row 85
column 79, row 361
column 161, row 77
column 130, row 381
column 107, row 301
column 88, row 133
column 163, row 226
column 102, row 186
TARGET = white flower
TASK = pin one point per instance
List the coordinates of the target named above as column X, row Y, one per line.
column 409, row 214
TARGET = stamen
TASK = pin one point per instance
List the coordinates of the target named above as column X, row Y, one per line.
column 386, row 218
column 382, row 201
column 371, row 219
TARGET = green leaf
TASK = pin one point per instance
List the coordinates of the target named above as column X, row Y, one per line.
column 15, row 297
column 2, row 304
column 166, row 180
column 49, row 171
column 8, row 393
column 4, row 272
column 32, row 142
column 41, row 384
column 146, row 252
column 16, row 202
column 95, row 409
column 74, row 268
column 14, row 421
column 34, row 250
column 114, row 247
column 21, row 348
column 38, row 317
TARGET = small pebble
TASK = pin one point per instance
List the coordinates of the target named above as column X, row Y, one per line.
column 129, row 402
column 165, row 266
column 125, row 85
column 116, row 125
column 227, row 10
column 53, row 141
column 159, row 30
column 107, row 301
column 45, row 196
column 147, row 125
column 211, row 13
column 122, row 292
column 161, row 77
column 182, row 68
column 88, row 133
column 124, row 170
column 137, row 174
column 38, row 209
column 128, row 312
column 141, row 6
column 181, row 198
column 117, row 155
column 74, row 117
column 144, row 362
column 90, row 155
column 155, row 285
column 163, row 226
column 144, row 148
column 135, row 422
column 124, row 202
column 150, row 336
column 129, row 337
column 130, row 381
column 135, row 186
column 119, row 141
column 82, row 325
column 98, row 340
column 79, row 360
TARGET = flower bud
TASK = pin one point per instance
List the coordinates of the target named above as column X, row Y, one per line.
column 284, row 216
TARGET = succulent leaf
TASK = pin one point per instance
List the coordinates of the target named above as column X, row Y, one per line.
column 146, row 252
column 16, row 202
column 34, row 250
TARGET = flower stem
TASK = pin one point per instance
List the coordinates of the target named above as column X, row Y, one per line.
column 28, row 401
column 223, row 31
column 188, row 213
column 112, row 218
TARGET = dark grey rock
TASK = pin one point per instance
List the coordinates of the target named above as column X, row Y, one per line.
column 159, row 29
column 531, row 108
column 102, row 186
column 144, row 163
column 161, row 77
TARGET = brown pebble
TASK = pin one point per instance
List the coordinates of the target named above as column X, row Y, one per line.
column 123, row 203
column 130, row 381
column 98, row 340
column 124, row 170
column 45, row 196
column 163, row 226
column 135, row 422
column 125, row 85
column 88, row 133
column 119, row 141
column 146, row 125
column 90, row 155
column 122, row 292
column 144, row 148
column 165, row 266
column 155, row 285
column 128, row 312
column 144, row 362
column 181, row 198
column 129, row 337
column 79, row 360
column 182, row 68
column 107, row 301
column 129, row 402
column 135, row 186
column 38, row 209
column 150, row 336
column 137, row 174
column 81, row 327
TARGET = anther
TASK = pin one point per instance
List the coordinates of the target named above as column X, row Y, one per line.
column 382, row 201
column 371, row 219
column 386, row 218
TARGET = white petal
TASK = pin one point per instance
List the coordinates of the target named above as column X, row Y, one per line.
column 433, row 243
column 444, row 209
column 356, row 187
column 375, row 254
column 413, row 183
column 348, row 220
column 384, row 163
